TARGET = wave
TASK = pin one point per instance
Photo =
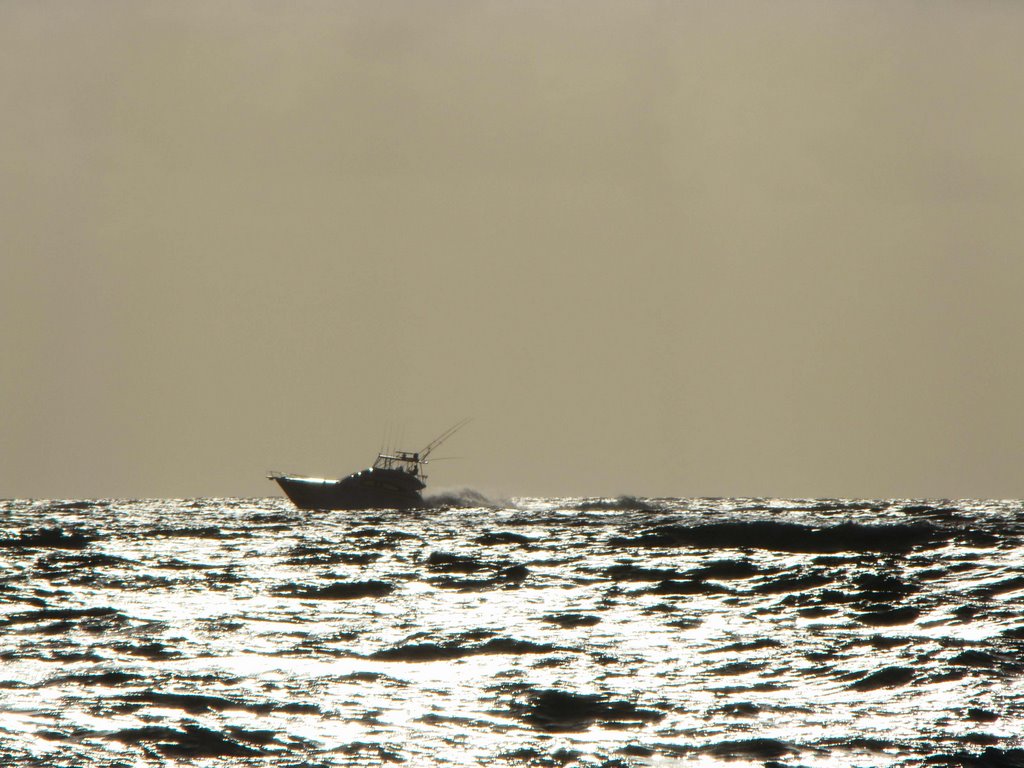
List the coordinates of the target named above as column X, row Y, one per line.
column 454, row 648
column 791, row 537
column 340, row 590
column 462, row 498
column 195, row 741
column 48, row 538
column 615, row 504
column 554, row 710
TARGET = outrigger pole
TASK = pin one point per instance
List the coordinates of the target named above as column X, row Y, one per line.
column 440, row 439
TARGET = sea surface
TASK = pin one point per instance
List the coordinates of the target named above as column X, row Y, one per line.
column 532, row 632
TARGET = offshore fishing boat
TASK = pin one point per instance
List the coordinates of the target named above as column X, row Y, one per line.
column 395, row 481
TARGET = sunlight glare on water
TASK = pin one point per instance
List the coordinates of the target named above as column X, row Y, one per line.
column 617, row 632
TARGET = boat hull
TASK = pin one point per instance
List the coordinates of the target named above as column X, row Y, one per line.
column 371, row 489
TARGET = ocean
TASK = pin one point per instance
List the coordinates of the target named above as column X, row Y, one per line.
column 533, row 632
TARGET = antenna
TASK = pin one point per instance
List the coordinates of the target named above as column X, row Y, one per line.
column 441, row 438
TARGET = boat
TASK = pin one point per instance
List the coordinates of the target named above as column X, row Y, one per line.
column 395, row 481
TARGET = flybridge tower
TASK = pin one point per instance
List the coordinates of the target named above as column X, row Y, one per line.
column 414, row 461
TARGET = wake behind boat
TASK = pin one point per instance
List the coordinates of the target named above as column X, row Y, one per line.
column 395, row 481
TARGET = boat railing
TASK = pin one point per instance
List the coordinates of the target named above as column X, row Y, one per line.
column 407, row 461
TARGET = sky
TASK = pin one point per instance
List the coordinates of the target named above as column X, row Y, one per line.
column 657, row 247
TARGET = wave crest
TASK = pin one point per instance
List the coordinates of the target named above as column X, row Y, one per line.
column 462, row 498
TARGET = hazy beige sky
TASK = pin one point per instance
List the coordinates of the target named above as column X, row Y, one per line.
column 661, row 248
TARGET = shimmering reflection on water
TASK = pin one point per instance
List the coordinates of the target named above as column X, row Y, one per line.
column 549, row 632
